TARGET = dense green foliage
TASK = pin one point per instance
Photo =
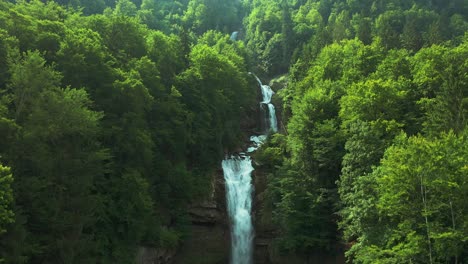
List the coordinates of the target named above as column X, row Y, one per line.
column 376, row 110
column 113, row 114
column 6, row 198
column 111, row 124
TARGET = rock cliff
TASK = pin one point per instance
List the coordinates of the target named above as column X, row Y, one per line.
column 209, row 241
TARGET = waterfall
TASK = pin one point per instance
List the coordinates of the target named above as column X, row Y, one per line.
column 256, row 142
column 234, row 35
column 267, row 93
column 272, row 118
column 270, row 114
column 237, row 174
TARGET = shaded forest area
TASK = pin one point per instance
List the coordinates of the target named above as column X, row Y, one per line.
column 109, row 126
column 113, row 114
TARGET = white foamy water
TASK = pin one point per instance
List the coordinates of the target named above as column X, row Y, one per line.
column 237, row 174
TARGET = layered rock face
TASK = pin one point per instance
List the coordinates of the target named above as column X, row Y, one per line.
column 208, row 242
column 209, row 239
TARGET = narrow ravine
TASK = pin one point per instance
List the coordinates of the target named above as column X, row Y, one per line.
column 237, row 174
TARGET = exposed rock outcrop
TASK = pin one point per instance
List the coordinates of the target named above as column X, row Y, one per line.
column 279, row 82
column 209, row 240
column 206, row 213
column 147, row 255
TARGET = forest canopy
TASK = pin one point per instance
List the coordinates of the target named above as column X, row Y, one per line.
column 374, row 151
column 114, row 114
column 111, row 124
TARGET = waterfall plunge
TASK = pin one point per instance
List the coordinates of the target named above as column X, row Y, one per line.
column 237, row 174
column 272, row 118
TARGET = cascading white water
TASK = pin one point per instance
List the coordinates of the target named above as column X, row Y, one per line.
column 256, row 142
column 267, row 93
column 234, row 35
column 237, row 174
column 270, row 116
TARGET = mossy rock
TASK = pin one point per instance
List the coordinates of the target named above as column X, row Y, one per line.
column 279, row 82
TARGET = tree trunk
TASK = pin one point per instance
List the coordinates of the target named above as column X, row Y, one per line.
column 424, row 200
